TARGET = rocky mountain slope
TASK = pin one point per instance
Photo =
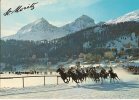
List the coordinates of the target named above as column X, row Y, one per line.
column 43, row 30
column 132, row 16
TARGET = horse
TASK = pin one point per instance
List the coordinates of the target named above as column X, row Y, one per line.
column 85, row 74
column 63, row 75
column 73, row 75
column 94, row 75
column 113, row 76
column 80, row 75
column 103, row 75
column 90, row 73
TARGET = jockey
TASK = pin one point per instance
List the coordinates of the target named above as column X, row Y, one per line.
column 94, row 68
column 78, row 70
column 62, row 68
column 83, row 70
column 111, row 70
column 103, row 71
column 72, row 69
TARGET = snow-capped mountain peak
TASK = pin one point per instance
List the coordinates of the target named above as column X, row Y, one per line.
column 132, row 16
column 39, row 25
column 84, row 18
column 41, row 20
column 80, row 23
column 41, row 29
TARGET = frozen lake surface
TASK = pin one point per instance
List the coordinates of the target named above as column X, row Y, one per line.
column 126, row 88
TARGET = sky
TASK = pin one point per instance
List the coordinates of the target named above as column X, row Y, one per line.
column 61, row 12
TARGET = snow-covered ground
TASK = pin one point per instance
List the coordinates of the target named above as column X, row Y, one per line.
column 127, row 88
column 126, row 42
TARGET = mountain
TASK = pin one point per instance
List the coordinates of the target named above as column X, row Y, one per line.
column 112, row 37
column 79, row 24
column 98, row 39
column 132, row 16
column 38, row 30
column 121, row 38
column 43, row 30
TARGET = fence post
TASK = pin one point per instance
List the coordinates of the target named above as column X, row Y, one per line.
column 0, row 83
column 57, row 80
column 0, row 80
column 23, row 82
column 44, row 80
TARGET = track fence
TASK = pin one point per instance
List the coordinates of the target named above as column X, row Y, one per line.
column 24, row 77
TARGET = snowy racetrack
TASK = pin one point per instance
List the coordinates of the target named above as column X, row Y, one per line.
column 127, row 88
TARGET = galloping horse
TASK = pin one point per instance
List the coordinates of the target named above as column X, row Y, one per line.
column 80, row 75
column 113, row 76
column 73, row 75
column 103, row 74
column 93, row 74
column 63, row 75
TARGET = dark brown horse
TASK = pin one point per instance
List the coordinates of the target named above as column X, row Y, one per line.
column 80, row 74
column 74, row 75
column 103, row 75
column 93, row 74
column 113, row 76
column 63, row 75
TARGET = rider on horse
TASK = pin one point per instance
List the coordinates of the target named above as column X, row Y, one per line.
column 111, row 70
column 103, row 71
column 62, row 68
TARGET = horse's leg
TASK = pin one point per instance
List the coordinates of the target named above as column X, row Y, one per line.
column 98, row 80
column 67, row 81
column 82, row 78
column 76, row 81
column 78, row 85
column 69, row 78
column 113, row 80
column 117, row 80
column 85, row 78
column 101, row 80
column 117, row 77
column 72, row 80
column 110, row 80
column 64, row 80
column 95, row 80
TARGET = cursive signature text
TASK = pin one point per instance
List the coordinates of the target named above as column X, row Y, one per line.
column 19, row 9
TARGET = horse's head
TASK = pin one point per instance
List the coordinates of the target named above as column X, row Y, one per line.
column 69, row 71
column 58, row 70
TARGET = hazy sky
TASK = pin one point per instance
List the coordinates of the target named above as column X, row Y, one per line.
column 60, row 12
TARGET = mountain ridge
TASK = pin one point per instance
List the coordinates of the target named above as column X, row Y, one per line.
column 41, row 29
column 131, row 16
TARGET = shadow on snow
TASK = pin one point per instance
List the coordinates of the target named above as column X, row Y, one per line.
column 112, row 86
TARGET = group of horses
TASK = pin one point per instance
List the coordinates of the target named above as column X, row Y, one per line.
column 79, row 75
column 133, row 69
